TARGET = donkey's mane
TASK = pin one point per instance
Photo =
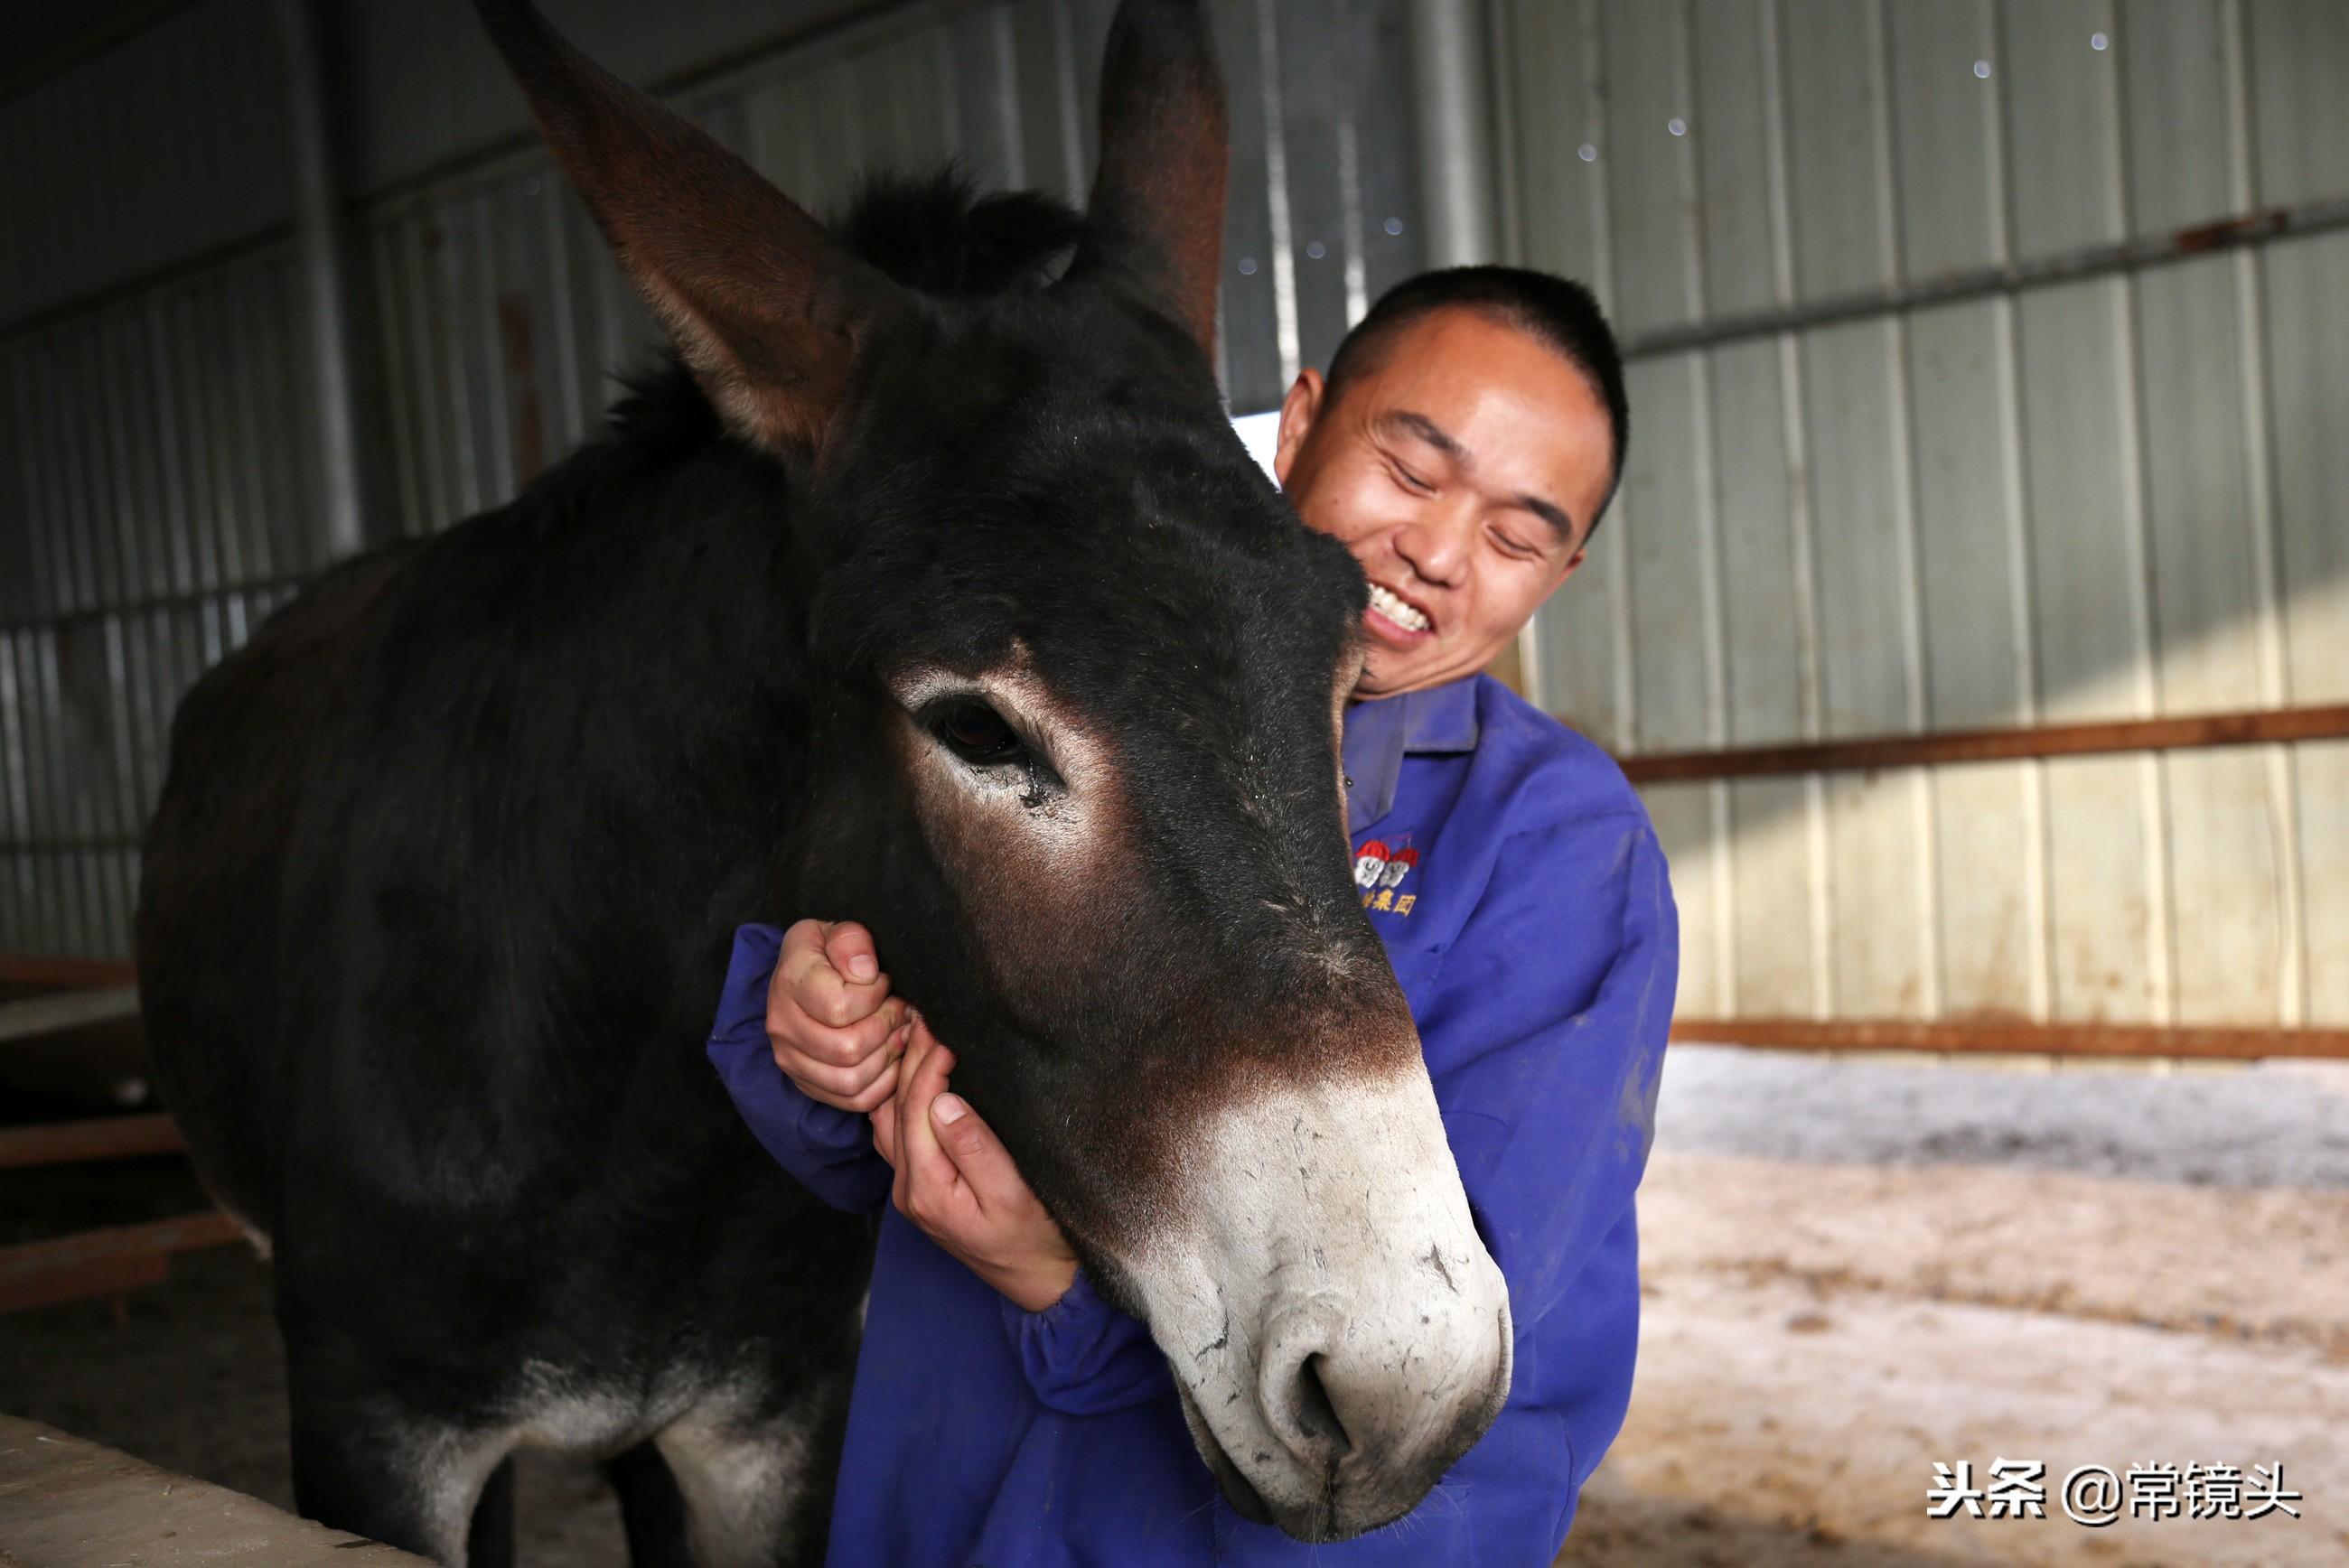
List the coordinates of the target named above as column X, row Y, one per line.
column 936, row 233
column 940, row 234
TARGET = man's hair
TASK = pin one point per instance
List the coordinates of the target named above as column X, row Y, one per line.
column 1556, row 311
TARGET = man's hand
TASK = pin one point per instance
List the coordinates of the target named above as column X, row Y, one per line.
column 836, row 1030
column 957, row 1183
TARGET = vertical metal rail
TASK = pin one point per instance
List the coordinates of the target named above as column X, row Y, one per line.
column 326, row 280
column 1452, row 94
column 1452, row 91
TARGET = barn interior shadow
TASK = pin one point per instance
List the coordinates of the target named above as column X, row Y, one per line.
column 189, row 1376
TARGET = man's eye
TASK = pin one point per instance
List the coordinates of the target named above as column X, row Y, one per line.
column 977, row 733
column 1409, row 480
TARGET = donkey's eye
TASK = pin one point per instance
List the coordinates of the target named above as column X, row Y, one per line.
column 977, row 733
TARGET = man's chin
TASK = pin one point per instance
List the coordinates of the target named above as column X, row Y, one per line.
column 1386, row 673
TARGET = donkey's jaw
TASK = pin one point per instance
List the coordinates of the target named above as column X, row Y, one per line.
column 1340, row 1332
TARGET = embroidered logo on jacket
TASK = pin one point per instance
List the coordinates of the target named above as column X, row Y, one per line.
column 1379, row 872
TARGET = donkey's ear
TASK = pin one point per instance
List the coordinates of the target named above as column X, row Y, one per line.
column 1157, row 208
column 766, row 307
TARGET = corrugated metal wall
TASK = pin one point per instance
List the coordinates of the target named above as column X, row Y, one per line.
column 156, row 494
column 2122, row 496
column 157, row 510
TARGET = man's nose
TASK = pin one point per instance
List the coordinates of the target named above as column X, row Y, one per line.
column 1436, row 546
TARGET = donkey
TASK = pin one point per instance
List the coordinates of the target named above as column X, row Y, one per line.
column 933, row 590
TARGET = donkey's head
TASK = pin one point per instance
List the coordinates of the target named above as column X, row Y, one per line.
column 1078, row 679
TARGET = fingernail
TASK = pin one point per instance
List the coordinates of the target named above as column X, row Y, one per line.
column 948, row 1108
column 863, row 967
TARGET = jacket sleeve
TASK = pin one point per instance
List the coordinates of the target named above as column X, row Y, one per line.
column 1551, row 1114
column 1083, row 1357
column 1551, row 1008
column 829, row 1150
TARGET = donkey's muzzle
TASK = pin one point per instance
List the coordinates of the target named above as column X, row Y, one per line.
column 1340, row 1332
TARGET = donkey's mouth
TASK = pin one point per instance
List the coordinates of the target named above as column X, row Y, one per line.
column 1241, row 1492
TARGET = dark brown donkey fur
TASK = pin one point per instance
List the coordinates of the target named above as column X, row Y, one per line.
column 440, row 889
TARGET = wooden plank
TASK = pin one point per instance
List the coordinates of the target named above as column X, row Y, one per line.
column 94, row 1139
column 54, row 1015
column 73, row 1504
column 2189, row 732
column 39, row 969
column 96, row 1262
column 2010, row 1036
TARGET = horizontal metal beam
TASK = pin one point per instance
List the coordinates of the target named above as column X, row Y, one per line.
column 2014, row 1036
column 100, row 1262
column 38, row 1016
column 88, row 1139
column 111, row 33
column 2202, row 731
column 1984, row 283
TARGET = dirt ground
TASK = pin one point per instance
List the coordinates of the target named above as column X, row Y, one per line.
column 1855, row 1269
column 1852, row 1269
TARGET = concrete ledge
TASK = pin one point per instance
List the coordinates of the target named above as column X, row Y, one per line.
column 66, row 1503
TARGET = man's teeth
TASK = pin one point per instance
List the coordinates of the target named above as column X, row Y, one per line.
column 1395, row 610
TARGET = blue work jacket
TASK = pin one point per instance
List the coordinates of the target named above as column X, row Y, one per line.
column 1524, row 906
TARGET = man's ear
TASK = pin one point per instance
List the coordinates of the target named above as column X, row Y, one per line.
column 1573, row 564
column 1298, row 408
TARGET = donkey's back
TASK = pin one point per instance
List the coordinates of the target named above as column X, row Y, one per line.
column 434, row 904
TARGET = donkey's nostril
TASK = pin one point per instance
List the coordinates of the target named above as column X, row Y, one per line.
column 1293, row 1391
column 1313, row 1412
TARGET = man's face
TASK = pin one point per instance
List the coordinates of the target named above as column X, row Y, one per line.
column 1464, row 467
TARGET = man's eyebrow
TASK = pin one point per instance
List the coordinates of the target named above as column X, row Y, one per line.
column 1550, row 514
column 1436, row 436
column 1427, row 430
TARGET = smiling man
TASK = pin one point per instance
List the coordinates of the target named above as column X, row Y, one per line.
column 1465, row 442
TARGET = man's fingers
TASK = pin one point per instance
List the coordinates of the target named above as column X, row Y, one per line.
column 837, row 1085
column 925, row 1164
column 987, row 1167
column 806, row 975
column 791, row 1030
column 919, row 1043
column 850, row 948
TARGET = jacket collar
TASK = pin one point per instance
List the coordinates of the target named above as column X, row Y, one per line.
column 1382, row 731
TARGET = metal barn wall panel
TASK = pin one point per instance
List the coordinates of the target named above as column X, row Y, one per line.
column 155, row 505
column 501, row 320
column 98, row 193
column 155, row 514
column 427, row 90
column 2114, row 498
